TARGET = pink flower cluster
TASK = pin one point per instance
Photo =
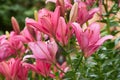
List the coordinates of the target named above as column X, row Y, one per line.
column 43, row 36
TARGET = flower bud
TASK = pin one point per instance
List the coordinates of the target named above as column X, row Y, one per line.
column 62, row 6
column 36, row 15
column 7, row 34
column 15, row 25
column 74, row 12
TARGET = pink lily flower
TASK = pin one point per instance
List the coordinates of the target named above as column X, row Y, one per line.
column 6, row 49
column 13, row 70
column 67, row 3
column 16, row 43
column 43, row 68
column 13, row 43
column 64, row 5
column 26, row 35
column 47, row 21
column 64, row 69
column 40, row 67
column 89, row 39
column 44, row 51
column 90, row 2
column 10, row 45
column 83, row 14
column 62, row 33
column 29, row 34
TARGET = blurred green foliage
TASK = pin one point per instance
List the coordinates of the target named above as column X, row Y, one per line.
column 20, row 9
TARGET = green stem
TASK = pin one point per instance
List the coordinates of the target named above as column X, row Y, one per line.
column 80, row 59
column 64, row 52
column 108, row 25
column 105, row 6
column 69, row 58
column 70, row 61
column 58, row 77
column 84, row 68
column 107, row 15
column 40, row 77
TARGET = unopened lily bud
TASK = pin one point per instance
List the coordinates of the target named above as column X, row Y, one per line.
column 73, row 12
column 15, row 25
column 7, row 34
column 36, row 15
column 62, row 7
column 61, row 2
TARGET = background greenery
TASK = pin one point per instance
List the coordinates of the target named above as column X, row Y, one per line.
column 20, row 9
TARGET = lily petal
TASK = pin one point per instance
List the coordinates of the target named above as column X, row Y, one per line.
column 55, row 18
column 39, row 50
column 93, row 33
column 62, row 30
column 81, row 37
column 103, row 39
column 92, row 12
column 33, row 23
